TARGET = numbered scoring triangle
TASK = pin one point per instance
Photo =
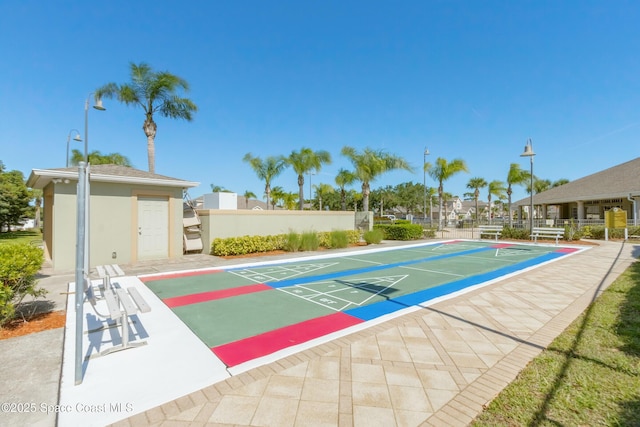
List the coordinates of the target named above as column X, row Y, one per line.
column 512, row 252
column 342, row 294
column 279, row 272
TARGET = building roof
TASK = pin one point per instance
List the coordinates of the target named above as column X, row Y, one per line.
column 616, row 182
column 40, row 178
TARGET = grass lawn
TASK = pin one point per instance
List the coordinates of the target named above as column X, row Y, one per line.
column 589, row 375
column 20, row 236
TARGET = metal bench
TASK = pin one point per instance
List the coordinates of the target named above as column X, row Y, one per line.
column 490, row 230
column 121, row 304
column 547, row 232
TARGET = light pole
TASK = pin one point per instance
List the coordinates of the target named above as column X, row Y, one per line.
column 98, row 106
column 310, row 192
column 424, row 185
column 528, row 152
column 82, row 238
column 75, row 138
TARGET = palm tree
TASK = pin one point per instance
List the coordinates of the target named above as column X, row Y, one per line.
column 305, row 161
column 97, row 158
column 558, row 183
column 539, row 185
column 289, row 200
column 247, row 195
column 442, row 171
column 266, row 169
column 476, row 184
column 322, row 190
column 277, row 195
column 516, row 176
column 369, row 164
column 343, row 179
column 496, row 188
column 219, row 189
column 446, row 196
column 155, row 92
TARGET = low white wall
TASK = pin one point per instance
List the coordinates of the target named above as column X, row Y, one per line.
column 222, row 224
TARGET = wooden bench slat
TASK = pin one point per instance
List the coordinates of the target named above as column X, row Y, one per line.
column 140, row 302
column 129, row 307
column 112, row 304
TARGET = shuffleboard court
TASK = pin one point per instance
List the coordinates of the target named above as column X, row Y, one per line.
column 247, row 312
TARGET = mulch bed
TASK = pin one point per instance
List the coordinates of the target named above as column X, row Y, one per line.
column 39, row 322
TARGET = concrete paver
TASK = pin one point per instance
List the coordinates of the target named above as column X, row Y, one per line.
column 434, row 366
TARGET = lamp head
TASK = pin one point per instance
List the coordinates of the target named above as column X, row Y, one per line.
column 426, row 151
column 528, row 150
column 98, row 105
column 77, row 138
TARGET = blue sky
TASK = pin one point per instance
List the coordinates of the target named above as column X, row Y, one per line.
column 467, row 79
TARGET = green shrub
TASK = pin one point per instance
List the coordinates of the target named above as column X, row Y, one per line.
column 338, row 239
column 292, row 242
column 246, row 245
column 373, row 236
column 429, row 233
column 597, row 232
column 515, row 233
column 400, row 231
column 19, row 264
column 310, row 241
column 353, row 237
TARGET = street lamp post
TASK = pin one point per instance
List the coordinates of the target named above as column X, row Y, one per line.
column 528, row 152
column 424, row 185
column 98, row 106
column 75, row 138
column 310, row 192
column 82, row 238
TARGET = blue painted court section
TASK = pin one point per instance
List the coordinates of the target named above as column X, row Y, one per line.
column 337, row 274
column 382, row 308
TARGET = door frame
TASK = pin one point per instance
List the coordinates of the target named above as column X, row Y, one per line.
column 135, row 196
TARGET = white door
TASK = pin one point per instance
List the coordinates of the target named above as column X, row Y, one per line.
column 153, row 227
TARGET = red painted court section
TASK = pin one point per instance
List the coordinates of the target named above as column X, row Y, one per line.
column 502, row 245
column 246, row 349
column 214, row 295
column 567, row 250
column 178, row 275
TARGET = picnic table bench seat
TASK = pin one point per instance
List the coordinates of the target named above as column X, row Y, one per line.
column 491, row 230
column 121, row 304
column 547, row 232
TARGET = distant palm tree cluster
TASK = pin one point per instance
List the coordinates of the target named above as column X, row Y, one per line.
column 368, row 165
column 158, row 92
column 97, row 158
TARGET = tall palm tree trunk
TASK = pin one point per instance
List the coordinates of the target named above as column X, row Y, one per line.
column 150, row 129
column 301, row 192
column 509, row 191
column 440, row 191
column 365, row 196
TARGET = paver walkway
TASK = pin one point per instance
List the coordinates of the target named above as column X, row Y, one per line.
column 433, row 367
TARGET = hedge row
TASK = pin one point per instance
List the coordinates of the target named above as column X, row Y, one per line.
column 19, row 264
column 597, row 232
column 401, row 231
column 292, row 242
